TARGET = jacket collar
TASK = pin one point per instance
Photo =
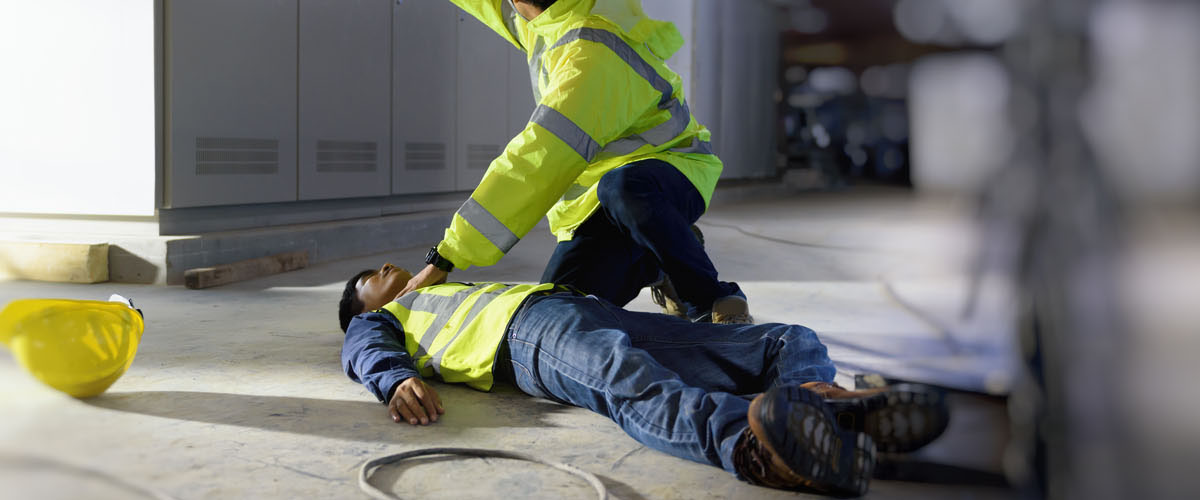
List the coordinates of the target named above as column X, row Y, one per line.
column 552, row 21
column 660, row 37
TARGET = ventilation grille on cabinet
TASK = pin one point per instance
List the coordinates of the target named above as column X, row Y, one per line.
column 232, row 156
column 347, row 156
column 479, row 156
column 425, row 155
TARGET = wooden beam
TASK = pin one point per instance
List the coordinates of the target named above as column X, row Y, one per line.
column 207, row 277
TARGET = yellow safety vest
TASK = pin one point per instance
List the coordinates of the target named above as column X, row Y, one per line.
column 606, row 98
column 453, row 330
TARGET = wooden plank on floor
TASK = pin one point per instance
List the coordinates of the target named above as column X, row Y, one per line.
column 58, row 262
column 207, row 277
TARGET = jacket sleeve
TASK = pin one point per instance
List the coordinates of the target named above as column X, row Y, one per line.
column 591, row 100
column 496, row 14
column 373, row 354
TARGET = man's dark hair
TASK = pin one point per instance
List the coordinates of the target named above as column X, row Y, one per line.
column 350, row 305
column 542, row 4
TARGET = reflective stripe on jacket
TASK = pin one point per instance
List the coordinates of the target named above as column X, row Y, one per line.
column 605, row 99
column 453, row 330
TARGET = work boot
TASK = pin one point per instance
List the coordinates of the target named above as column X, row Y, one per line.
column 663, row 293
column 793, row 443
column 900, row 418
column 731, row 310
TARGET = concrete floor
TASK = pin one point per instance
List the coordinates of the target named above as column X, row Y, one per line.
column 237, row 391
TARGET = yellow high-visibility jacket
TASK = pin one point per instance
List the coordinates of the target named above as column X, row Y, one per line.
column 606, row 98
column 451, row 330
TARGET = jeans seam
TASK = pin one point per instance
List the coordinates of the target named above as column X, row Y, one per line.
column 529, row 374
column 536, row 382
column 641, row 419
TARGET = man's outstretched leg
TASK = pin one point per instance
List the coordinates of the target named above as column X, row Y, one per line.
column 901, row 418
column 575, row 349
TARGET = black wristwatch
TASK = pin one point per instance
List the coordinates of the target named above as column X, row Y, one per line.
column 436, row 259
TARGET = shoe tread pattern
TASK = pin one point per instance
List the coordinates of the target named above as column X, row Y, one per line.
column 802, row 431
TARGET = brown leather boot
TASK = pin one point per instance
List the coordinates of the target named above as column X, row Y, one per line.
column 731, row 310
column 793, row 443
column 663, row 293
column 900, row 418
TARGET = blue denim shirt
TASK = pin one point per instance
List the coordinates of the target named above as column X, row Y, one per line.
column 373, row 353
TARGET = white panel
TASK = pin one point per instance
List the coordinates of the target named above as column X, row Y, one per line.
column 424, row 47
column 482, row 100
column 963, row 96
column 520, row 92
column 231, row 75
column 77, row 107
column 345, row 98
column 1142, row 115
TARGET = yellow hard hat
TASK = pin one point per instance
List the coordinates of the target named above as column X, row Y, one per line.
column 79, row 347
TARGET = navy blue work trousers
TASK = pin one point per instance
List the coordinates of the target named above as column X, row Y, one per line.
column 641, row 231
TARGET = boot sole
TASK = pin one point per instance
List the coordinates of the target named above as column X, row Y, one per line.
column 823, row 456
column 900, row 420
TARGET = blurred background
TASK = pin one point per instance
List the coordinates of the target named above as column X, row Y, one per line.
column 1074, row 125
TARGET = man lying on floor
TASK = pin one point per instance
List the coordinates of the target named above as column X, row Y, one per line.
column 671, row 384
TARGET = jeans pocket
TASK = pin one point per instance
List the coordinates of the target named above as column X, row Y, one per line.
column 525, row 381
column 612, row 310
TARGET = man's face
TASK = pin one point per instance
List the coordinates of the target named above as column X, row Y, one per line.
column 381, row 287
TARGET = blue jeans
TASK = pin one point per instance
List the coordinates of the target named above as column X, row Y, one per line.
column 671, row 384
column 642, row 230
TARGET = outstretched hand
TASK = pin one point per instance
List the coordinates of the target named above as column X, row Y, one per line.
column 415, row 402
column 427, row 277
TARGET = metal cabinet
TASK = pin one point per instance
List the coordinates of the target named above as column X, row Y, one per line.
column 230, row 102
column 483, row 127
column 345, row 98
column 424, row 46
column 284, row 100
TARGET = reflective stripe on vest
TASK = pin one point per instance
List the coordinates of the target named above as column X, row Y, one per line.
column 441, row 306
column 676, row 125
column 697, row 147
column 567, row 131
column 536, row 70
column 508, row 12
column 488, row 225
column 436, row 361
column 455, row 329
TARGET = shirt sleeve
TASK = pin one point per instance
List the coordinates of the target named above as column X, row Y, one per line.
column 373, row 354
column 588, row 104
